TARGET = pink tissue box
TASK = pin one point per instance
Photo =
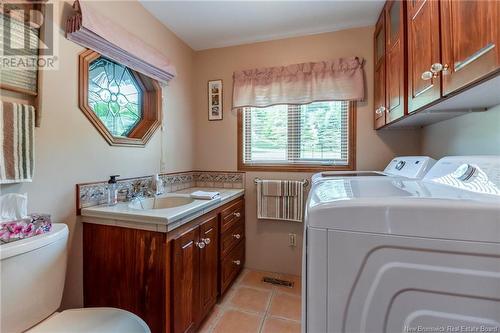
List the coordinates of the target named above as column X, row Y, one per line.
column 35, row 224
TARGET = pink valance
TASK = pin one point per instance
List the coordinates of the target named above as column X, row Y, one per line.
column 94, row 31
column 336, row 80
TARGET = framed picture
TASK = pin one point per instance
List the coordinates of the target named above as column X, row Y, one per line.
column 215, row 100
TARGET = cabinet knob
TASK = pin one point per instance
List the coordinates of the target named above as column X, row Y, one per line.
column 201, row 245
column 237, row 262
column 378, row 111
column 237, row 236
column 427, row 75
column 206, row 240
column 237, row 214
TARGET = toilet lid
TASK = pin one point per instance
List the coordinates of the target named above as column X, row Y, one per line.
column 92, row 320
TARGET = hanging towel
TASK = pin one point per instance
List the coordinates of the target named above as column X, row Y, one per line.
column 280, row 200
column 17, row 126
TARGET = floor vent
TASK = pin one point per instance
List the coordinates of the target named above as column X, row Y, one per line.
column 278, row 282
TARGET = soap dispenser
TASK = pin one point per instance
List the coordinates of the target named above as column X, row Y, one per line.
column 112, row 190
column 158, row 185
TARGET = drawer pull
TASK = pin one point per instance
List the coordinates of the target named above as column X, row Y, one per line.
column 237, row 236
column 206, row 240
column 237, row 262
column 201, row 245
column 237, row 214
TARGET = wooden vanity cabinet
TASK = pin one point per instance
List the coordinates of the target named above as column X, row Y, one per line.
column 232, row 244
column 194, row 274
column 171, row 280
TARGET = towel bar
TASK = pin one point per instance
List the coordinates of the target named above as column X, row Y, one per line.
column 305, row 181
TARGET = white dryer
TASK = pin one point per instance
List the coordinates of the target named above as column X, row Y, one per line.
column 414, row 167
column 386, row 254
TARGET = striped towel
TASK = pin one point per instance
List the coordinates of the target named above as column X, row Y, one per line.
column 280, row 200
column 17, row 126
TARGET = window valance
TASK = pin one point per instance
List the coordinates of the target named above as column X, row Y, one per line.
column 94, row 31
column 337, row 80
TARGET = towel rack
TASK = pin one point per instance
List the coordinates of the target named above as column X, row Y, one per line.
column 305, row 181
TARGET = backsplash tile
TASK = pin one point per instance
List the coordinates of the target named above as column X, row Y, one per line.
column 96, row 193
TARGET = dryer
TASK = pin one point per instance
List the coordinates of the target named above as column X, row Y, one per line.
column 387, row 254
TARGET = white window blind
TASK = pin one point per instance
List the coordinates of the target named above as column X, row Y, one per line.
column 310, row 134
column 23, row 79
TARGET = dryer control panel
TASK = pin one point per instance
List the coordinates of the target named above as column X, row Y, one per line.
column 480, row 174
column 409, row 166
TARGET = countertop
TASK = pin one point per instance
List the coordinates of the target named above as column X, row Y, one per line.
column 162, row 220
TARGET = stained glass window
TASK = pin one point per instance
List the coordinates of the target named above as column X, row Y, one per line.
column 114, row 96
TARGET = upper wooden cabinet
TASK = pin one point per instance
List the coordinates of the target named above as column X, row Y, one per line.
column 379, row 77
column 448, row 46
column 390, row 64
column 423, row 51
column 470, row 41
column 395, row 60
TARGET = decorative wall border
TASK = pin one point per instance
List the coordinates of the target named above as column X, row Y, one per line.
column 95, row 193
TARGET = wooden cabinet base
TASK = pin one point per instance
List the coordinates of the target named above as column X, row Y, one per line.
column 159, row 276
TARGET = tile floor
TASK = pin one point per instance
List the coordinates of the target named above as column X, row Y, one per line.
column 252, row 306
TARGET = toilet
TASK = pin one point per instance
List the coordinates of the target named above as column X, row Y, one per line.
column 32, row 275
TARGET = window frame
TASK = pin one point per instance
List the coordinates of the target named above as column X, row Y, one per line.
column 151, row 106
column 297, row 167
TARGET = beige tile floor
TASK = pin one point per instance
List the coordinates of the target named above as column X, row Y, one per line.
column 252, row 306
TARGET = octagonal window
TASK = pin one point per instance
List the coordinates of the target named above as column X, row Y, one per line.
column 114, row 96
column 125, row 106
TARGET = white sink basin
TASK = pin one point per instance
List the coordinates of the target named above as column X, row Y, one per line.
column 160, row 203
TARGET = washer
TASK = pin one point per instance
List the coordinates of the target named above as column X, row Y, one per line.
column 388, row 254
column 403, row 166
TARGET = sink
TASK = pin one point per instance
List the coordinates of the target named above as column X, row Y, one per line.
column 160, row 203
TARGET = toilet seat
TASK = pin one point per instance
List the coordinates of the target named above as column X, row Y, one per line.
column 92, row 320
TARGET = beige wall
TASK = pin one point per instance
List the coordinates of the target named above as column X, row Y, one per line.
column 69, row 150
column 216, row 144
column 471, row 134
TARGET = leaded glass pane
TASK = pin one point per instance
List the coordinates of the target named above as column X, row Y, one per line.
column 114, row 96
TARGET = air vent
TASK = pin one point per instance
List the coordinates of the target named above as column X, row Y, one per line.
column 278, row 282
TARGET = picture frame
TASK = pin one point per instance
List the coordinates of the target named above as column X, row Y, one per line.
column 215, row 100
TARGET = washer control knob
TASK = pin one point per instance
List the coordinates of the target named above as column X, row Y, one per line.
column 464, row 172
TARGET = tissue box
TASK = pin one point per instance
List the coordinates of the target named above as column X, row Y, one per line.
column 35, row 224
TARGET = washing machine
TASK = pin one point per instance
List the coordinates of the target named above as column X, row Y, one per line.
column 414, row 167
column 385, row 254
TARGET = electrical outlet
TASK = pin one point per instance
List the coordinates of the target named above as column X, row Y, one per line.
column 292, row 239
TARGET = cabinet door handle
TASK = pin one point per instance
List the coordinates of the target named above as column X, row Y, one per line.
column 427, row 75
column 380, row 110
column 206, row 240
column 237, row 236
column 237, row 214
column 201, row 245
column 237, row 262
column 437, row 67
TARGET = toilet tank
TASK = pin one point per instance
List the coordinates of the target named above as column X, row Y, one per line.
column 32, row 274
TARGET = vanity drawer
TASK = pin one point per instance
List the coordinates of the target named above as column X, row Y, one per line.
column 232, row 214
column 231, row 266
column 232, row 237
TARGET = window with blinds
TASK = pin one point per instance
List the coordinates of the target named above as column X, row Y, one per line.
column 311, row 135
column 25, row 80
